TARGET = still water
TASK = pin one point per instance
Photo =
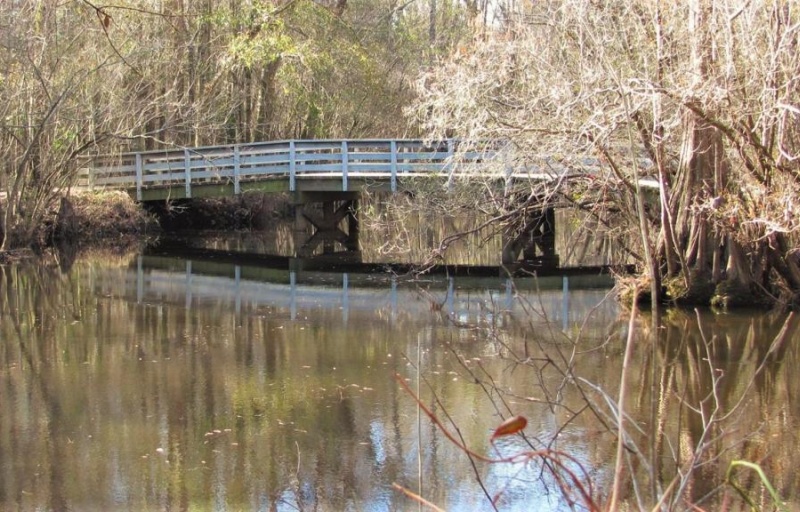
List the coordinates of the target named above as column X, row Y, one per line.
column 145, row 383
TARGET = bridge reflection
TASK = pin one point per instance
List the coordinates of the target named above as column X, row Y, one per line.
column 564, row 300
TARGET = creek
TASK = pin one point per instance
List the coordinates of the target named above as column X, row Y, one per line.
column 158, row 383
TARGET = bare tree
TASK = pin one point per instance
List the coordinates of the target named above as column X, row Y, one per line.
column 52, row 111
column 700, row 96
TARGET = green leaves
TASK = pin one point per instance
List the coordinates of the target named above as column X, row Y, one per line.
column 262, row 44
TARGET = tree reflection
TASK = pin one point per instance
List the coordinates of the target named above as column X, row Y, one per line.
column 27, row 308
column 716, row 375
column 708, row 389
column 115, row 401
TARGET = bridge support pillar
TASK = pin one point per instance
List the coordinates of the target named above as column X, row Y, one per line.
column 326, row 225
column 532, row 241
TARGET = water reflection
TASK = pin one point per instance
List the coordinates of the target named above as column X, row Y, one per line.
column 474, row 300
column 413, row 238
column 155, row 383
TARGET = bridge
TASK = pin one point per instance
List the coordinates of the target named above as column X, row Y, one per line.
column 326, row 178
column 293, row 166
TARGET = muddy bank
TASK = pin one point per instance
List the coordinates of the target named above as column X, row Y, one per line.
column 92, row 218
column 113, row 219
column 87, row 220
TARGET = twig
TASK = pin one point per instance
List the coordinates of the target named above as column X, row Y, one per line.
column 553, row 456
column 416, row 497
column 612, row 505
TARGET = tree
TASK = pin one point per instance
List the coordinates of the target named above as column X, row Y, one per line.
column 53, row 109
column 216, row 73
column 700, row 96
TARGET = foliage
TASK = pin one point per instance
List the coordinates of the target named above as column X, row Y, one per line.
column 105, row 214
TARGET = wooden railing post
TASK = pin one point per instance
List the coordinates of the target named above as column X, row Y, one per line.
column 187, row 167
column 292, row 166
column 90, row 176
column 345, row 298
column 236, row 170
column 450, row 166
column 344, row 165
column 188, row 284
column 138, row 176
column 393, row 166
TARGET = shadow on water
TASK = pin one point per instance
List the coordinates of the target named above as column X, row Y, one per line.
column 154, row 383
column 246, row 254
column 403, row 244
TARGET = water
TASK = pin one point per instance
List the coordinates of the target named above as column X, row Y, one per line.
column 149, row 383
column 410, row 237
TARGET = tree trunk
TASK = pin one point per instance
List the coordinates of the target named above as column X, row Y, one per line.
column 701, row 181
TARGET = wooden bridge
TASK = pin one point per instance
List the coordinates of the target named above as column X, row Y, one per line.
column 330, row 173
column 291, row 166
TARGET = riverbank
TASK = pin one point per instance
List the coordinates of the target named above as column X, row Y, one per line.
column 96, row 219
column 113, row 219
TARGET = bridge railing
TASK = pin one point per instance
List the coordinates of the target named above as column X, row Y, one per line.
column 295, row 159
